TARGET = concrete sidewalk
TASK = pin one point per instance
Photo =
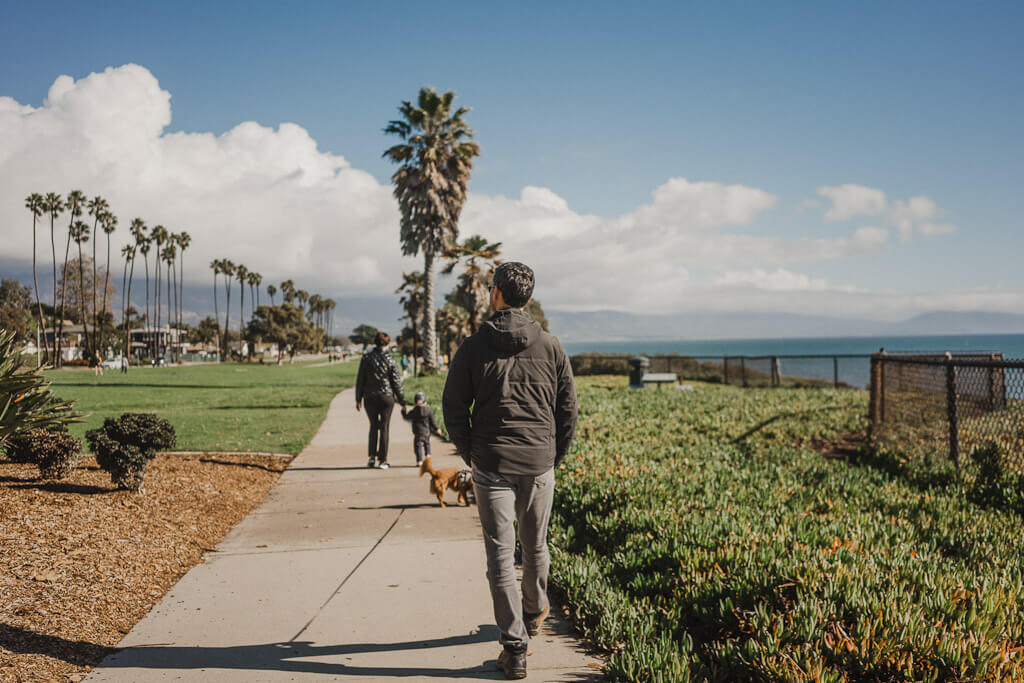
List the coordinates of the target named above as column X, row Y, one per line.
column 342, row 572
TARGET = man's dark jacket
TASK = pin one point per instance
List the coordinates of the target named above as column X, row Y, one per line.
column 423, row 422
column 378, row 376
column 510, row 400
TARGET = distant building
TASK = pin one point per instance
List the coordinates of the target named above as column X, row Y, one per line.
column 167, row 340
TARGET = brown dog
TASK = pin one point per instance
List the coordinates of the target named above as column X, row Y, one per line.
column 447, row 478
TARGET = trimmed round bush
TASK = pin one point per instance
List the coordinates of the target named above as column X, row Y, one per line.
column 124, row 446
column 55, row 452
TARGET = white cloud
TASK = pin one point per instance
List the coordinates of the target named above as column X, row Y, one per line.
column 870, row 236
column 271, row 199
column 780, row 280
column 853, row 200
column 908, row 217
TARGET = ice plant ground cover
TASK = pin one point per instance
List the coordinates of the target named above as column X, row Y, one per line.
column 703, row 536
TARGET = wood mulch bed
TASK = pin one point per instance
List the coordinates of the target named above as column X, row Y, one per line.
column 81, row 562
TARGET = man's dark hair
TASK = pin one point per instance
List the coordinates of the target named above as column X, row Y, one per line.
column 381, row 339
column 515, row 282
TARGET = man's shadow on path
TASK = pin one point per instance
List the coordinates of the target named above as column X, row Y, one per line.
column 284, row 657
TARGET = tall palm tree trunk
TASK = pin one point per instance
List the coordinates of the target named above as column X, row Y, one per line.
column 124, row 304
column 156, row 302
column 63, row 291
column 95, row 313
column 35, row 282
column 106, row 284
column 241, row 314
column 149, row 318
column 127, row 306
column 53, row 249
column 430, row 315
column 81, row 302
column 170, row 306
column 216, row 312
column 227, row 316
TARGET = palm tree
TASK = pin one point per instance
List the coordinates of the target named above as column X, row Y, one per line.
column 74, row 204
column 145, row 244
column 302, row 296
column 271, row 291
column 471, row 292
column 184, row 241
column 53, row 204
column 36, row 205
column 241, row 274
column 159, row 235
column 128, row 253
column 137, row 228
column 288, row 291
column 314, row 309
column 109, row 225
column 79, row 232
column 97, row 208
column 215, row 267
column 413, row 301
column 169, row 253
column 227, row 269
column 436, row 156
column 255, row 280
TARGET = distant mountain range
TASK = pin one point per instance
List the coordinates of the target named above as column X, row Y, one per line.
column 620, row 326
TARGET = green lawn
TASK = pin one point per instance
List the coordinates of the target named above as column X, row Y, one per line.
column 700, row 536
column 229, row 407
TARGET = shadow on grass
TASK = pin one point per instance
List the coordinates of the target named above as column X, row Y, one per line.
column 131, row 385
column 782, row 416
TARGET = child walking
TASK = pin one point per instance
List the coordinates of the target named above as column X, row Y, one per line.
column 423, row 425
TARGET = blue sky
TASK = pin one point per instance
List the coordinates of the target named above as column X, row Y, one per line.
column 601, row 103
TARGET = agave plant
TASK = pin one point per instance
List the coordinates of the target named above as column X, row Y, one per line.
column 25, row 398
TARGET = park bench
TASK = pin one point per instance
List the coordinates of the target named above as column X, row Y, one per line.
column 659, row 378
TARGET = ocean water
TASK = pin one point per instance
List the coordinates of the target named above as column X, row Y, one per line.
column 851, row 371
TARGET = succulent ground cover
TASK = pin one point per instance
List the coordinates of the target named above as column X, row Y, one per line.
column 702, row 536
column 81, row 561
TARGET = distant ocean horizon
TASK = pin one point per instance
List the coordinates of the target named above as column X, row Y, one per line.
column 851, row 371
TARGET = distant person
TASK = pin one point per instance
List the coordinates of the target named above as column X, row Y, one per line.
column 423, row 425
column 124, row 365
column 510, row 409
column 97, row 364
column 379, row 383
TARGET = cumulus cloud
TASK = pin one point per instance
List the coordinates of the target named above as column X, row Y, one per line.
column 780, row 280
column 908, row 217
column 270, row 198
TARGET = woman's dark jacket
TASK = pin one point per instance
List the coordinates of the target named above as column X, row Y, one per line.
column 510, row 400
column 378, row 376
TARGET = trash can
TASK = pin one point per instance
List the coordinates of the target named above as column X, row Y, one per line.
column 638, row 367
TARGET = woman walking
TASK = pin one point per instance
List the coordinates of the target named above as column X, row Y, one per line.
column 380, row 385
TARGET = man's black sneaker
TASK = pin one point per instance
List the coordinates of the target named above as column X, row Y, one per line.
column 512, row 663
column 372, row 462
column 533, row 621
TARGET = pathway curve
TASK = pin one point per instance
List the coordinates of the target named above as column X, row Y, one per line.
column 343, row 572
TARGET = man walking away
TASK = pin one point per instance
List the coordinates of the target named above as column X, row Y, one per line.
column 510, row 408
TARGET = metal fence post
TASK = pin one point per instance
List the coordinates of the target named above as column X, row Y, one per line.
column 951, row 413
column 743, row 369
column 835, row 371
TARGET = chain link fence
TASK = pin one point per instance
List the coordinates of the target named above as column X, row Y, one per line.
column 965, row 404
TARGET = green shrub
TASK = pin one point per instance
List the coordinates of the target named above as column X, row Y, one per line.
column 54, row 452
column 125, row 445
column 25, row 399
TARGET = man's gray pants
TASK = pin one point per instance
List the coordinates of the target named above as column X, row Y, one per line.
column 501, row 500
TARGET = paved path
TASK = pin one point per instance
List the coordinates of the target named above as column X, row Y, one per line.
column 343, row 572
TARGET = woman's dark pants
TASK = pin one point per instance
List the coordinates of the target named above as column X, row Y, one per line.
column 378, row 409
